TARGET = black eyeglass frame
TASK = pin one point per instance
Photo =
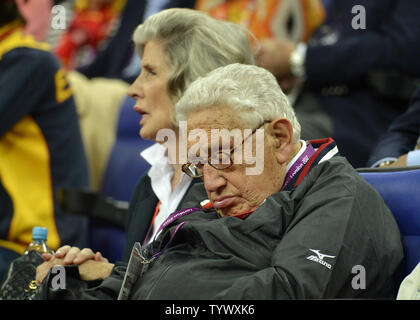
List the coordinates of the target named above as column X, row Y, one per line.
column 186, row 168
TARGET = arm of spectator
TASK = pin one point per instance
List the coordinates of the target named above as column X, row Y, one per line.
column 410, row 159
column 401, row 136
column 22, row 77
column 392, row 46
column 274, row 55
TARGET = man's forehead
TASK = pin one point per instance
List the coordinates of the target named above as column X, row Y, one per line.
column 212, row 118
column 210, row 128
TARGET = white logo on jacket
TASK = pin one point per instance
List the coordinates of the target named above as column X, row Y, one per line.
column 320, row 258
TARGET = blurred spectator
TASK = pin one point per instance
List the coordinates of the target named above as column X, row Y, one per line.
column 358, row 68
column 91, row 24
column 119, row 59
column 410, row 287
column 282, row 20
column 97, row 101
column 37, row 17
column 41, row 149
column 290, row 20
column 398, row 146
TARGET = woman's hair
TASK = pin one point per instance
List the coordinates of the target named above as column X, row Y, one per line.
column 251, row 91
column 194, row 44
column 9, row 12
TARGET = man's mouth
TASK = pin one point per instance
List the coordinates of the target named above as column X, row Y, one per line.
column 223, row 202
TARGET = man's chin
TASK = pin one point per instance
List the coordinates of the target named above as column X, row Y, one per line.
column 228, row 212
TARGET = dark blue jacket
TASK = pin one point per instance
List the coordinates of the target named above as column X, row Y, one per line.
column 337, row 72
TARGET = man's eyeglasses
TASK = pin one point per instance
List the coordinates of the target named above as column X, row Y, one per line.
column 220, row 160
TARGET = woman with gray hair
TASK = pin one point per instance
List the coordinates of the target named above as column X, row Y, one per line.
column 176, row 46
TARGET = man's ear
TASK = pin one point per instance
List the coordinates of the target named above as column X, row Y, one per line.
column 281, row 134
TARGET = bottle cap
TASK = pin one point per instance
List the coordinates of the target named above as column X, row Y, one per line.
column 39, row 233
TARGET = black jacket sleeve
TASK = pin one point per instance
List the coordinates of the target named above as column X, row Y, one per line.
column 75, row 289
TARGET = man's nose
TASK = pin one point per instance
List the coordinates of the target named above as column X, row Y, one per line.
column 213, row 179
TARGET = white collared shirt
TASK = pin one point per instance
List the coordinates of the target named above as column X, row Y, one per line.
column 161, row 173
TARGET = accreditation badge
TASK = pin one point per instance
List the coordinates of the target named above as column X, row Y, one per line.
column 134, row 270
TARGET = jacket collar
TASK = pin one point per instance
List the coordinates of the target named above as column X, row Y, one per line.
column 325, row 149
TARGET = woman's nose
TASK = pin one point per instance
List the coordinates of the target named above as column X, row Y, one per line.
column 135, row 89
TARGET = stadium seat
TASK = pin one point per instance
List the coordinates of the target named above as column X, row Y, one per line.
column 400, row 189
column 125, row 167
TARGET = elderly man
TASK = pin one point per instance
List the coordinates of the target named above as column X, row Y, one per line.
column 302, row 224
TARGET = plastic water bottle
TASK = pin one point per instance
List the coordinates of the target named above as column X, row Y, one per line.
column 39, row 241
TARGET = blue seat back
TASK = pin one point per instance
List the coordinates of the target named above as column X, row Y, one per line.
column 124, row 169
column 401, row 192
column 125, row 165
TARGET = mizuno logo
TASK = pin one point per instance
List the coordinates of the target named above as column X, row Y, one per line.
column 320, row 258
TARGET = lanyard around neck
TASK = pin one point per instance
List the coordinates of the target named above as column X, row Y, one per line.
column 298, row 164
column 171, row 219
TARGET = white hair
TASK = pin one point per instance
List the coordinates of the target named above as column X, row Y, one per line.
column 253, row 93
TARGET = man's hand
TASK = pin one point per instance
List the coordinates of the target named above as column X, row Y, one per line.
column 67, row 255
column 88, row 270
column 274, row 55
column 73, row 255
column 92, row 270
column 45, row 267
